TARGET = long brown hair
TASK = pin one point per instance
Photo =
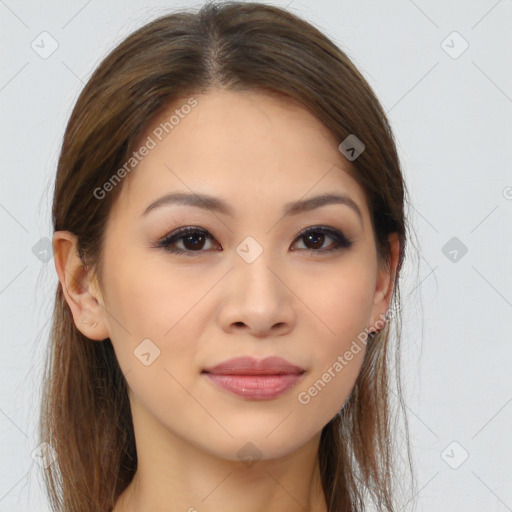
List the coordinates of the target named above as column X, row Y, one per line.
column 85, row 414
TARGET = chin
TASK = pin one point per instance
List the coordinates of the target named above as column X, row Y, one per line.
column 257, row 442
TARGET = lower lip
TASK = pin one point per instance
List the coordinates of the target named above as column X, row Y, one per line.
column 256, row 387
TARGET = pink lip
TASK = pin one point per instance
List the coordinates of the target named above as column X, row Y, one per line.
column 255, row 379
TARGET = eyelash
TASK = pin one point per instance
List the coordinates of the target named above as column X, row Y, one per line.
column 340, row 240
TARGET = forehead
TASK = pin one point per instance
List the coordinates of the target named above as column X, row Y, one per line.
column 251, row 147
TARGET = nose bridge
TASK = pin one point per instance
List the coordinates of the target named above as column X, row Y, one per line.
column 255, row 295
column 252, row 266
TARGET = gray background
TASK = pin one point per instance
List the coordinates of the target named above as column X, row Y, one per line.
column 451, row 111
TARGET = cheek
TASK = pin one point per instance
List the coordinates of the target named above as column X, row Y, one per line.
column 343, row 304
column 148, row 301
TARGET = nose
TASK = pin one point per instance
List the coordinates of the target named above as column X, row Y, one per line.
column 257, row 299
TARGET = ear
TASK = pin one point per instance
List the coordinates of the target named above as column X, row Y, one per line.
column 384, row 285
column 80, row 287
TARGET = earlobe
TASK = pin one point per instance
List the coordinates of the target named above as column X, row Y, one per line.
column 385, row 285
column 81, row 294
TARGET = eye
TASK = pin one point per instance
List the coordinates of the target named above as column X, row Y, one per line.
column 193, row 240
column 316, row 236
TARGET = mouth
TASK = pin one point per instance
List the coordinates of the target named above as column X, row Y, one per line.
column 255, row 379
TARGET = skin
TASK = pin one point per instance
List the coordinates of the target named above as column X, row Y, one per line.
column 256, row 152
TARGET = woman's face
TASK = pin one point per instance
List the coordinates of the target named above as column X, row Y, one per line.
column 247, row 283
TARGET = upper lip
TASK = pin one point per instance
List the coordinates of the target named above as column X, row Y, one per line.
column 247, row 365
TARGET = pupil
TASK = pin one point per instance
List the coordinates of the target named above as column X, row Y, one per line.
column 316, row 238
column 192, row 238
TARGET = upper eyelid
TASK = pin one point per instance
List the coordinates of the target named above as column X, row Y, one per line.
column 192, row 228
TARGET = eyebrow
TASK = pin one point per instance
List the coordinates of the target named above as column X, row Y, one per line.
column 212, row 203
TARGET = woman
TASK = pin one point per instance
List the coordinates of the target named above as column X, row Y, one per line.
column 229, row 233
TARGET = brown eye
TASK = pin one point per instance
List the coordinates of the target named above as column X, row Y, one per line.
column 193, row 241
column 314, row 238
